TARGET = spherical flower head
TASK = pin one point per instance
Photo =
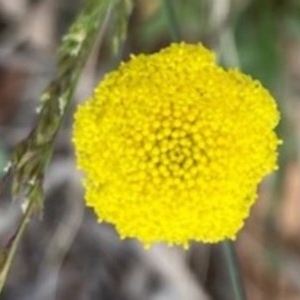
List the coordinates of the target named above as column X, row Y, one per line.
column 173, row 146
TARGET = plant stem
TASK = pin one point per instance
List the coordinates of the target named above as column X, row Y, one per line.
column 173, row 23
column 32, row 156
column 14, row 246
column 233, row 270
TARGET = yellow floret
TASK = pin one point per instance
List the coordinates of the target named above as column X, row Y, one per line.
column 174, row 146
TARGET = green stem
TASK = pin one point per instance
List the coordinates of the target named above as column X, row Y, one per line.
column 173, row 23
column 233, row 269
column 14, row 246
column 32, row 156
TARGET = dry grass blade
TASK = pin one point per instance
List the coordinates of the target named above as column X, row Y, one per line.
column 32, row 156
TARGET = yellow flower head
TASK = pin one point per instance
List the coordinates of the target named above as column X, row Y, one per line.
column 174, row 146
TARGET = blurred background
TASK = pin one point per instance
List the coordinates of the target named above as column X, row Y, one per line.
column 67, row 255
